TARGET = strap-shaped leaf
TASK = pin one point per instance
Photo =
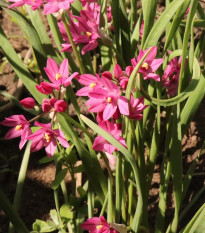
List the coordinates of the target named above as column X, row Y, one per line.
column 43, row 35
column 11, row 213
column 195, row 221
column 34, row 39
column 149, row 12
column 176, row 22
column 192, row 104
column 161, row 23
column 19, row 67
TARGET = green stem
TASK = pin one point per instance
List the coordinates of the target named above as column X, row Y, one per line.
column 77, row 54
column 118, row 186
column 119, row 57
column 104, row 205
column 90, row 201
column 57, row 205
column 110, row 202
column 20, row 182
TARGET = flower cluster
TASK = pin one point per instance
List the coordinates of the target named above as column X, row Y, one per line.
column 84, row 29
column 45, row 136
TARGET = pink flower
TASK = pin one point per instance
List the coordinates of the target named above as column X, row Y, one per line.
column 150, row 64
column 136, row 107
column 90, row 82
column 59, row 75
column 87, row 1
column 34, row 3
column 117, row 72
column 53, row 6
column 48, row 104
column 53, row 103
column 85, row 30
column 142, row 29
column 28, row 103
column 16, row 3
column 100, row 144
column 187, row 11
column 170, row 78
column 60, row 106
column 45, row 136
column 20, row 128
column 46, row 88
column 107, row 100
column 112, row 160
column 97, row 225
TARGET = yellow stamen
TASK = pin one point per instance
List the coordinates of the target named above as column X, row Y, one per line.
column 88, row 34
column 92, row 85
column 109, row 99
column 99, row 226
column 145, row 65
column 19, row 127
column 47, row 137
column 58, row 76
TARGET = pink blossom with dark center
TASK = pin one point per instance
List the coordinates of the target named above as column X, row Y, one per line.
column 150, row 64
column 20, row 127
column 97, row 225
column 46, row 136
column 100, row 144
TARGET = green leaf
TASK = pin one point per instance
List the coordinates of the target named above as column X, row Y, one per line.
column 11, row 213
column 196, row 221
column 176, row 22
column 59, row 178
column 65, row 212
column 41, row 226
column 106, row 58
column 54, row 216
column 192, row 104
column 33, row 37
column 19, row 67
column 42, row 33
column 161, row 23
column 149, row 11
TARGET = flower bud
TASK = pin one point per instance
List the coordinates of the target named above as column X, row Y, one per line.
column 117, row 71
column 28, row 103
column 46, row 105
column 44, row 88
column 107, row 75
column 60, row 106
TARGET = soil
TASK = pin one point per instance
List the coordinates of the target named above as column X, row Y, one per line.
column 38, row 199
